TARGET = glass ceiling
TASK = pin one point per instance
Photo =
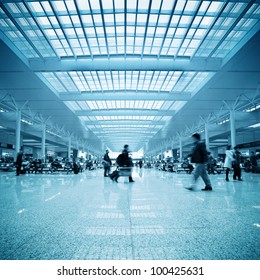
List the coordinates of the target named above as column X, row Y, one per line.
column 113, row 27
column 92, row 29
column 159, row 81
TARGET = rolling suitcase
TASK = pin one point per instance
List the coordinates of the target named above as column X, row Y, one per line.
column 114, row 174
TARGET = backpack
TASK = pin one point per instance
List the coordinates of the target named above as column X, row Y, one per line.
column 120, row 160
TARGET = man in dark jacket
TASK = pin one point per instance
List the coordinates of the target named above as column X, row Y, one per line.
column 199, row 156
column 236, row 165
column 19, row 161
column 107, row 163
column 253, row 162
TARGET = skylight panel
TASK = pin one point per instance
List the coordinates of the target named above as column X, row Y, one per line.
column 94, row 5
column 141, row 18
column 160, row 31
column 185, row 20
column 83, row 105
column 120, row 30
column 228, row 8
column 131, row 18
column 178, row 105
column 194, row 43
column 250, row 23
column 44, row 22
column 120, row 18
column 83, row 5
column 131, row 4
column 206, row 21
column 180, row 32
column 54, row 21
column 196, row 21
column 73, row 105
column 153, row 19
column 74, row 43
column 13, row 8
column 156, row 5
column 140, row 30
column 175, row 20
column 71, row 6
column 35, row 7
column 200, row 33
column 100, row 105
column 238, row 8
column 99, row 31
column 65, row 20
column 75, row 20
column 143, row 5
column 91, row 106
column 109, row 18
column 87, row 20
column 119, row 4
column 180, row 6
column 98, row 19
column 59, row 6
column 164, row 19
column 3, row 23
column 107, row 4
column 60, row 51
column 204, row 7
column 23, row 22
column 168, row 5
column 31, row 33
column 93, row 42
column 110, row 30
column 191, row 6
column 50, row 33
column 79, row 32
column 150, row 31
column 46, row 6
column 215, row 7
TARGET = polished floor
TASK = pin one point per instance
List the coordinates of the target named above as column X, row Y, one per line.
column 87, row 216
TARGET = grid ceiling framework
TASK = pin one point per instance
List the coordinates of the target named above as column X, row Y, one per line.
column 126, row 105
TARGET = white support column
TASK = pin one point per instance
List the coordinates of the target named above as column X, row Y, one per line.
column 206, row 128
column 232, row 128
column 69, row 147
column 43, row 142
column 180, row 146
column 18, row 131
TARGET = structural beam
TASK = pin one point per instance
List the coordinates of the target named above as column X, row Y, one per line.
column 126, row 112
column 18, row 131
column 124, row 95
column 124, row 122
column 180, row 146
column 206, row 129
column 69, row 147
column 232, row 128
column 43, row 141
column 125, row 63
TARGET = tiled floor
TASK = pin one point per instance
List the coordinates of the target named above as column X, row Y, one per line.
column 87, row 216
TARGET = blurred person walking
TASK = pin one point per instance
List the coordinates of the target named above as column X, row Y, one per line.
column 19, row 162
column 253, row 162
column 199, row 156
column 123, row 160
column 107, row 163
column 237, row 167
column 230, row 157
